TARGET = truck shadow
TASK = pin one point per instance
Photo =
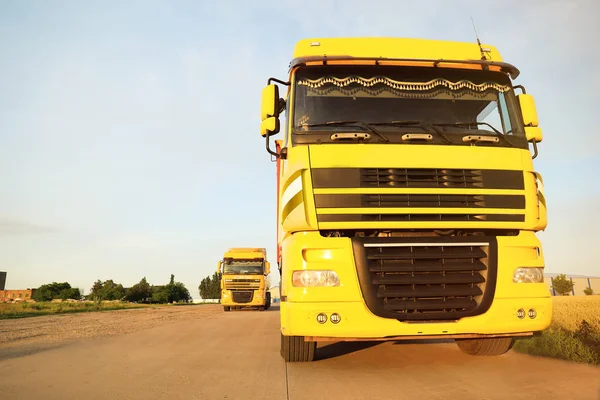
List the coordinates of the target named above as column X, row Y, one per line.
column 338, row 349
column 426, row 341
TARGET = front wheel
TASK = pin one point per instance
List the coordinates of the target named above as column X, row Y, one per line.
column 226, row 308
column 485, row 347
column 296, row 349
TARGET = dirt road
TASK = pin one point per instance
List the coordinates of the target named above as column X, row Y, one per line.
column 202, row 353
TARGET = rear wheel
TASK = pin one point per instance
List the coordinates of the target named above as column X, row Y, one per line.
column 226, row 308
column 485, row 347
column 295, row 349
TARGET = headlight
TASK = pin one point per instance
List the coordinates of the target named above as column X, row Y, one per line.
column 315, row 278
column 528, row 275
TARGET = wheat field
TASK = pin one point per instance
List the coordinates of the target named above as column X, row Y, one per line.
column 569, row 311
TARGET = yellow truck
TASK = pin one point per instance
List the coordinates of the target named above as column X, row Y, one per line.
column 244, row 278
column 407, row 199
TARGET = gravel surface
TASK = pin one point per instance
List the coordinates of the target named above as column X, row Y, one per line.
column 30, row 335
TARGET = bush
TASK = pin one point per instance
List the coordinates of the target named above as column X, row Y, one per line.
column 562, row 285
column 588, row 291
column 574, row 334
column 107, row 290
column 56, row 290
column 558, row 343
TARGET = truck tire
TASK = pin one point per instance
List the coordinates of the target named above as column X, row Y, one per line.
column 485, row 347
column 295, row 349
column 261, row 308
column 268, row 301
column 226, row 308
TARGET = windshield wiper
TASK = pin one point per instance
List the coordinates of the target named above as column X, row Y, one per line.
column 411, row 122
column 477, row 138
column 476, row 123
column 366, row 126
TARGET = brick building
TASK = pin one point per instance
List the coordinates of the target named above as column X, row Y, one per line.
column 16, row 295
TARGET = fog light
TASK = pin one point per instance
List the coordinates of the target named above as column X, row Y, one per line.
column 321, row 318
column 335, row 318
column 521, row 313
column 532, row 314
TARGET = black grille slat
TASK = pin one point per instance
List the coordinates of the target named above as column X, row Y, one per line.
column 416, row 279
column 417, row 178
column 434, row 304
column 422, row 253
column 428, row 279
column 425, row 266
column 420, row 217
column 429, row 291
column 421, row 178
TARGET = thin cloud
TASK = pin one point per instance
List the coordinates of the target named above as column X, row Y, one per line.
column 18, row 227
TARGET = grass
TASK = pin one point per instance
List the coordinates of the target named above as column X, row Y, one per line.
column 574, row 334
column 23, row 310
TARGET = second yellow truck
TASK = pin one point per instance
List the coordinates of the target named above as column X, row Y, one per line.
column 244, row 280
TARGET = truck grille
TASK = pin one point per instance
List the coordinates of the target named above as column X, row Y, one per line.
column 233, row 284
column 416, row 178
column 421, row 178
column 419, row 217
column 240, row 296
column 399, row 202
column 417, row 279
column 410, row 200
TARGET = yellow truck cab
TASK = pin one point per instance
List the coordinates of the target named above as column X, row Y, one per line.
column 407, row 199
column 243, row 279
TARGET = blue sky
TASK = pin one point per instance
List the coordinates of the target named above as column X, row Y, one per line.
column 129, row 141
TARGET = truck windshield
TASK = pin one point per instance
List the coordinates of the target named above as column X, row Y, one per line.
column 242, row 267
column 447, row 103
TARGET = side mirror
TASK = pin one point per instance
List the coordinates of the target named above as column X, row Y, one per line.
column 267, row 268
column 269, row 126
column 270, row 102
column 271, row 108
column 219, row 266
column 530, row 117
column 533, row 133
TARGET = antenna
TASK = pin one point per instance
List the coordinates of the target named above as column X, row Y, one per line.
column 481, row 49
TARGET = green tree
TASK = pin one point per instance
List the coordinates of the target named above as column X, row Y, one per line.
column 562, row 285
column 588, row 291
column 56, row 290
column 72, row 293
column 160, row 294
column 215, row 288
column 172, row 292
column 107, row 290
column 204, row 288
column 140, row 292
column 210, row 287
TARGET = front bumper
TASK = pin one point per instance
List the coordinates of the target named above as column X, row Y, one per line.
column 310, row 251
column 258, row 299
column 300, row 319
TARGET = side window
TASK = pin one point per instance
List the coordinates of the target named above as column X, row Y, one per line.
column 491, row 115
column 284, row 122
column 504, row 113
